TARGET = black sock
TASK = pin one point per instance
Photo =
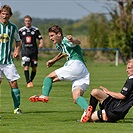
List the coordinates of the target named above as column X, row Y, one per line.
column 26, row 73
column 33, row 74
column 93, row 102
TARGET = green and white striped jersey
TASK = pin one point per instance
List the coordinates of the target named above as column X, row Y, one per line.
column 8, row 33
column 73, row 51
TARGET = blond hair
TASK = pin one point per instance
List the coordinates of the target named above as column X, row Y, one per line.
column 6, row 8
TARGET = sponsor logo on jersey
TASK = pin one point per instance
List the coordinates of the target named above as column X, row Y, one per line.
column 28, row 39
column 4, row 38
column 125, row 89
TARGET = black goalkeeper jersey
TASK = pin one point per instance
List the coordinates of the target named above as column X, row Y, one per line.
column 28, row 37
column 117, row 108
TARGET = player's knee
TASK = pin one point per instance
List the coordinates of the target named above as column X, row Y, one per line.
column 14, row 84
column 26, row 67
column 75, row 94
column 94, row 92
column 74, row 101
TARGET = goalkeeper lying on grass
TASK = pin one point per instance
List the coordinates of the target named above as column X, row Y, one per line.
column 113, row 106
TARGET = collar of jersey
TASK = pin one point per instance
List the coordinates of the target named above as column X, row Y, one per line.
column 130, row 77
column 28, row 28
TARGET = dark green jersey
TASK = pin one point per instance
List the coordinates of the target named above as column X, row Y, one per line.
column 8, row 33
column 73, row 51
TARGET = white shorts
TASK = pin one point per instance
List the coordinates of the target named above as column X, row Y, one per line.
column 75, row 71
column 10, row 72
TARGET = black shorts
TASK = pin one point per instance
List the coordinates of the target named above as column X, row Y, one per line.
column 33, row 60
column 115, row 109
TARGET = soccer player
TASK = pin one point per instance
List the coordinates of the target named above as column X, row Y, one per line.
column 9, row 32
column 73, row 70
column 113, row 105
column 29, row 34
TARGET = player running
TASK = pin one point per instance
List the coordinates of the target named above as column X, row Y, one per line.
column 73, row 70
column 29, row 34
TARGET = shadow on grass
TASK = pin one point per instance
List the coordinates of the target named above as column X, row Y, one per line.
column 24, row 115
column 126, row 120
column 36, row 112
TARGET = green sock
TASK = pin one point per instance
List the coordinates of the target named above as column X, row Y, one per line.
column 47, row 86
column 16, row 97
column 82, row 102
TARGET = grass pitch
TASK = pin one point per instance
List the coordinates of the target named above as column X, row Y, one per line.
column 60, row 114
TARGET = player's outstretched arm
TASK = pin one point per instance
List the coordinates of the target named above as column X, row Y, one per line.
column 116, row 95
column 56, row 58
column 72, row 39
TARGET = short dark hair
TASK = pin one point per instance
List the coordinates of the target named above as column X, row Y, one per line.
column 28, row 16
column 6, row 8
column 56, row 29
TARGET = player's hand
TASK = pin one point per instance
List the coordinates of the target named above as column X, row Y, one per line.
column 49, row 63
column 16, row 55
column 69, row 37
column 104, row 89
column 41, row 45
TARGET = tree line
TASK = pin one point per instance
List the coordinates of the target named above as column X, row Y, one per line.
column 100, row 31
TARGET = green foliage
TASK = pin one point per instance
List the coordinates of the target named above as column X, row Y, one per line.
column 121, row 25
column 119, row 41
column 15, row 18
column 98, row 31
column 44, row 24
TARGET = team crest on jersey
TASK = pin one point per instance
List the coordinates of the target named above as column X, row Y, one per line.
column 32, row 32
column 4, row 38
column 24, row 33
